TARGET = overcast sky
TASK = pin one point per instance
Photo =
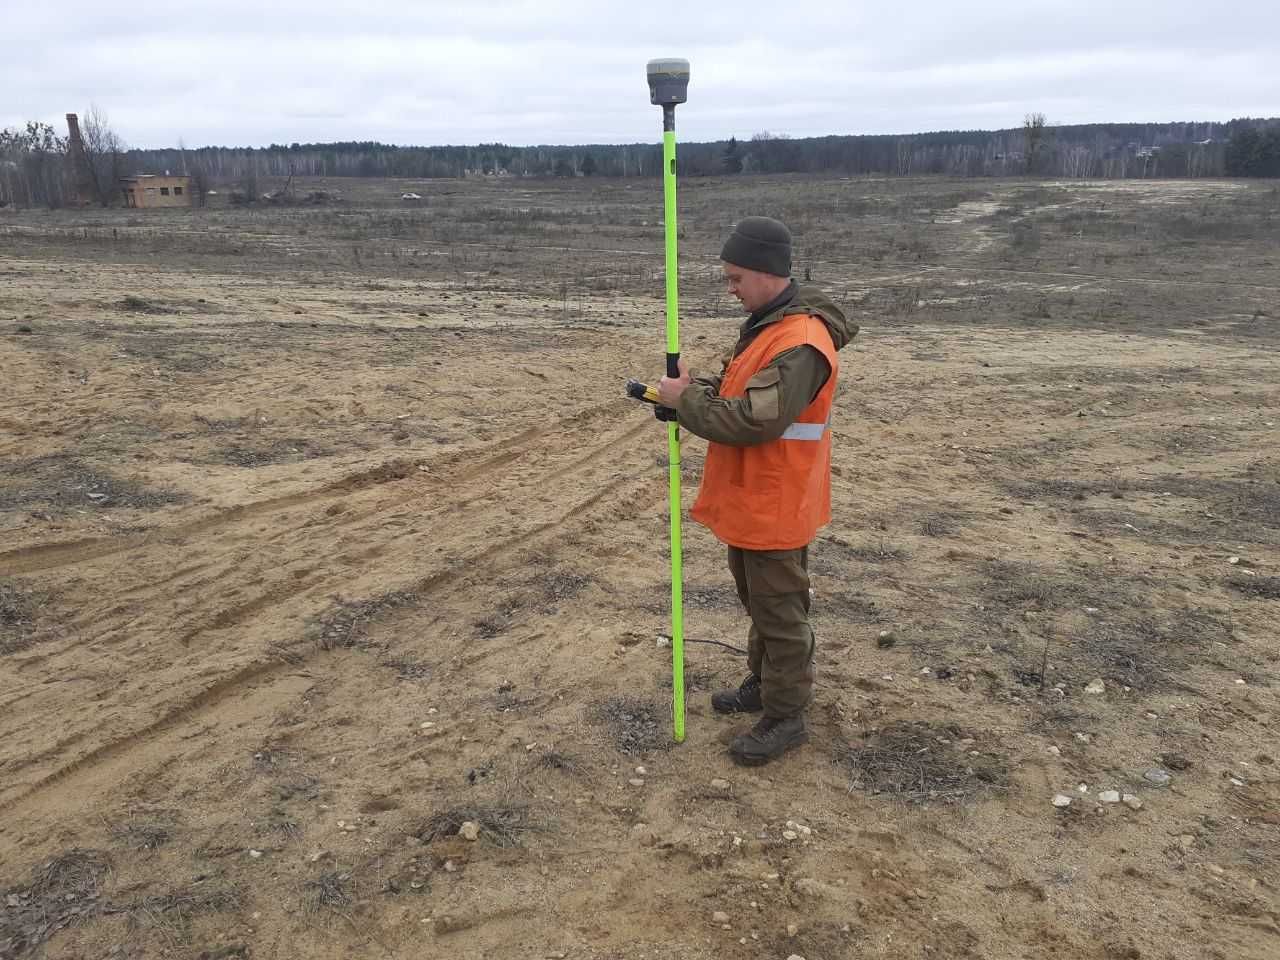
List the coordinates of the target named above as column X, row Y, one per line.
column 253, row 72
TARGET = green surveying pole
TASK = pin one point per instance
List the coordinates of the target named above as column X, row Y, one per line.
column 668, row 86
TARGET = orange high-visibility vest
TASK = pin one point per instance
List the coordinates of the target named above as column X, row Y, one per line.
column 775, row 495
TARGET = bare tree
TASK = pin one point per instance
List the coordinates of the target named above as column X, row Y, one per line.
column 103, row 154
column 33, row 162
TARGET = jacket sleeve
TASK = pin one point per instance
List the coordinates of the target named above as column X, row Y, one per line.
column 775, row 397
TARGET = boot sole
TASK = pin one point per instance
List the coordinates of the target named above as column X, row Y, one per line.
column 736, row 709
column 759, row 760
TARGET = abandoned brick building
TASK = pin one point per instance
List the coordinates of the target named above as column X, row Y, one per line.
column 154, row 190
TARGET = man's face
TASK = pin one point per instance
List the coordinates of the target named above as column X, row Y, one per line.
column 752, row 288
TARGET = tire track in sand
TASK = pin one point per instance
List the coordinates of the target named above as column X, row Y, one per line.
column 108, row 764
column 47, row 556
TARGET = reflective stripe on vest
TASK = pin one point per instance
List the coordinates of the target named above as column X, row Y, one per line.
column 805, row 431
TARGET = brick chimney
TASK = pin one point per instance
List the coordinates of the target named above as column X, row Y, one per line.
column 83, row 191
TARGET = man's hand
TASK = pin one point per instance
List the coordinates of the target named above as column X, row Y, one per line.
column 669, row 390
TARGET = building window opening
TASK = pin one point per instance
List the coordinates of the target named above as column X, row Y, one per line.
column 177, row 191
column 164, row 191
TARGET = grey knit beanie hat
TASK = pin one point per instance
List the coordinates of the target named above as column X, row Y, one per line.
column 760, row 243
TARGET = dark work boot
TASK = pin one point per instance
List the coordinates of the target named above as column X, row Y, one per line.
column 769, row 739
column 746, row 699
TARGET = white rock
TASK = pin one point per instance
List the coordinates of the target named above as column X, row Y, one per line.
column 1132, row 802
column 470, row 831
column 450, row 866
column 1109, row 796
column 1055, row 751
column 255, row 854
column 636, row 782
column 792, row 929
column 641, row 771
column 795, row 956
column 1096, row 686
column 719, row 784
column 719, row 917
column 1233, row 560
column 1061, row 800
column 789, row 835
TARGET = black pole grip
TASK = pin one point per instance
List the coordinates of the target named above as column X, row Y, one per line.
column 673, row 365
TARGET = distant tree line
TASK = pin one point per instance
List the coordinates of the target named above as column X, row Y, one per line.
column 1254, row 152
column 33, row 160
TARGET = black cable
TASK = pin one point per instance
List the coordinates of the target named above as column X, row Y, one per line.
column 727, row 646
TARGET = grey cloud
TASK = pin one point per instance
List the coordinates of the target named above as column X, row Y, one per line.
column 238, row 72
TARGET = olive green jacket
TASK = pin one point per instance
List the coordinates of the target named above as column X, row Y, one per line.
column 802, row 372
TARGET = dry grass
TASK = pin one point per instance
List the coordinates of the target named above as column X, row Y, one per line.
column 1258, row 588
column 635, row 726
column 18, row 610
column 914, row 762
column 500, row 824
column 329, row 891
column 172, row 911
column 63, row 892
column 345, row 624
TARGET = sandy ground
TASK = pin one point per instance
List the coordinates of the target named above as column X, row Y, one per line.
column 313, row 552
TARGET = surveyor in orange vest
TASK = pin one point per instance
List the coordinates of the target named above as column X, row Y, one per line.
column 766, row 486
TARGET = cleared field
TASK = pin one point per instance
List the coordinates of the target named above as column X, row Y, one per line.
column 326, row 530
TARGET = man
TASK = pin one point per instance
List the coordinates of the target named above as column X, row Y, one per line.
column 766, row 486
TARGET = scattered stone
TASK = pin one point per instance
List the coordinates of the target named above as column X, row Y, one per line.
column 1083, row 737
column 795, row 956
column 1132, row 802
column 1061, row 800
column 470, row 831
column 1175, row 761
column 790, row 835
column 719, row 917
column 636, row 782
column 1157, row 776
column 1055, row 751
column 792, row 929
column 719, row 784
column 886, row 639
column 450, row 867
column 1096, row 686
column 1109, row 796
column 1233, row 560
column 641, row 771
column 255, row 854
